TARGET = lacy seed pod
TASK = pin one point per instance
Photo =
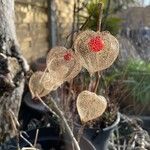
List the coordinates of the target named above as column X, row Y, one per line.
column 52, row 82
column 98, row 50
column 90, row 106
column 36, row 84
column 64, row 63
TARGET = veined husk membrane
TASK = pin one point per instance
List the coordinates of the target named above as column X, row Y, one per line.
column 36, row 86
column 97, row 50
column 63, row 63
column 90, row 106
column 39, row 80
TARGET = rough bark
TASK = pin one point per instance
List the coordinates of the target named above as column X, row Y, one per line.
column 12, row 70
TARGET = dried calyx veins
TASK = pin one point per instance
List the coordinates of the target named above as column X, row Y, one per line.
column 62, row 65
column 90, row 106
column 97, row 50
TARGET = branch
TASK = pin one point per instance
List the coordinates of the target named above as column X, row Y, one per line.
column 63, row 119
column 46, row 106
column 99, row 22
column 97, row 81
column 106, row 14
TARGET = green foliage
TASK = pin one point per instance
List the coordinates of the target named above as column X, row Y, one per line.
column 135, row 76
column 111, row 24
column 139, row 79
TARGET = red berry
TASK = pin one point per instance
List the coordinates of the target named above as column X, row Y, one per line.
column 96, row 44
column 67, row 56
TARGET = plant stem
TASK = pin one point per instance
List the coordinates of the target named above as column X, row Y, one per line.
column 63, row 119
column 106, row 14
column 26, row 140
column 36, row 137
column 80, row 132
column 46, row 106
column 84, row 25
column 60, row 113
column 99, row 22
column 99, row 16
column 97, row 82
column 43, row 74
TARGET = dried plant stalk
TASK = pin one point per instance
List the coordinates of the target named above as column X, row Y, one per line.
column 63, row 63
column 98, row 50
column 55, row 107
column 90, row 106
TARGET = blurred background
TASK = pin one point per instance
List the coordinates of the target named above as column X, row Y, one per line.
column 42, row 24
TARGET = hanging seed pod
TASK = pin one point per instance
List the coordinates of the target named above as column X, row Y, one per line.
column 36, row 84
column 52, row 82
column 64, row 63
column 90, row 106
column 98, row 50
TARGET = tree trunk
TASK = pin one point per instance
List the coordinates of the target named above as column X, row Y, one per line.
column 12, row 70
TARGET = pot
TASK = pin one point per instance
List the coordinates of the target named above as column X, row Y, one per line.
column 100, row 137
column 50, row 138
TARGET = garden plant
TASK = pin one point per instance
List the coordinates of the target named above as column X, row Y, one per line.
column 92, row 50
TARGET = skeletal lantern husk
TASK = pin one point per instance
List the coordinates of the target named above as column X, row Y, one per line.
column 64, row 63
column 36, row 86
column 37, row 82
column 90, row 106
column 52, row 83
column 100, row 59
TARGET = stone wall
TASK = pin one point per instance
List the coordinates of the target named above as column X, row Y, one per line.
column 64, row 13
column 32, row 28
column 32, row 25
column 135, row 17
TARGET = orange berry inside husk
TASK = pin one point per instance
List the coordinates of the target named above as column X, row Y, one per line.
column 96, row 44
column 67, row 56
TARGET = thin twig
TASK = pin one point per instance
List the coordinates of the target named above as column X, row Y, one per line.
column 84, row 25
column 106, row 14
column 63, row 119
column 80, row 132
column 43, row 74
column 73, row 24
column 70, row 34
column 99, row 16
column 36, row 137
column 100, row 12
column 97, row 82
column 14, row 117
column 15, row 125
column 69, row 96
column 25, row 139
column 46, row 106
column 84, row 4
